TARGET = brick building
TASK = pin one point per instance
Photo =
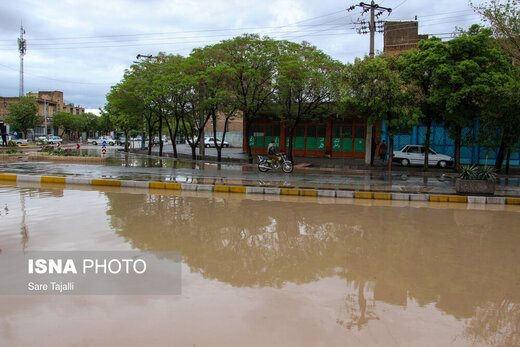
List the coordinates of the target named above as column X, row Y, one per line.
column 401, row 36
column 49, row 103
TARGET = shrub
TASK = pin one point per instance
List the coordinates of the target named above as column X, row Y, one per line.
column 473, row 172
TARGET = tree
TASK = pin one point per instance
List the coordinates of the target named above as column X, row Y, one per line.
column 306, row 81
column 175, row 85
column 125, row 110
column 63, row 121
column 217, row 87
column 467, row 79
column 23, row 115
column 504, row 19
column 254, row 62
column 501, row 115
column 375, row 87
column 420, row 69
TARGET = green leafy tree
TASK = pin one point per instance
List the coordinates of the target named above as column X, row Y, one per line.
column 217, row 86
column 254, row 62
column 467, row 78
column 306, row 81
column 23, row 115
column 420, row 71
column 175, row 87
column 504, row 18
column 374, row 87
column 125, row 110
column 64, row 121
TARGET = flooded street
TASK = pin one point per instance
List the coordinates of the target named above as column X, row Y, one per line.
column 285, row 271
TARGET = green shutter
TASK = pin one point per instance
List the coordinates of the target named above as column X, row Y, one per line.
column 359, row 145
column 321, row 143
column 311, row 143
column 347, row 145
column 336, row 144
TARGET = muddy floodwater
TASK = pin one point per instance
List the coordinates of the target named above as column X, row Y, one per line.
column 259, row 272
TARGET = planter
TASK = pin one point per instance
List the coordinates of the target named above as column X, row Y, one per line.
column 475, row 187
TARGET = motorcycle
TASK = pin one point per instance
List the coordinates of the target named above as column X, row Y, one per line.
column 281, row 161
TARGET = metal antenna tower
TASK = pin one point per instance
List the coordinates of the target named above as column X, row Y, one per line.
column 22, row 48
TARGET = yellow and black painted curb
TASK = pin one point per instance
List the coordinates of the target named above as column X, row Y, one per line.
column 263, row 190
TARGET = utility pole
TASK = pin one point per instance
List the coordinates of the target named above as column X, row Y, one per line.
column 22, row 48
column 373, row 26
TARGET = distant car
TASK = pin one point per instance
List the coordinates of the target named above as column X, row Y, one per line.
column 210, row 142
column 414, row 155
column 120, row 141
column 156, row 140
column 15, row 140
column 51, row 140
column 99, row 141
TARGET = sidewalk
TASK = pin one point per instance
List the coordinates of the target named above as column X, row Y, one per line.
column 237, row 155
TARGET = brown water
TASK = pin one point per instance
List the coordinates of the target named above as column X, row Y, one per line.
column 259, row 272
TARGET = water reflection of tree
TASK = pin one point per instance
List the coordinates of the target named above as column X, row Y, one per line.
column 359, row 310
column 496, row 324
column 457, row 259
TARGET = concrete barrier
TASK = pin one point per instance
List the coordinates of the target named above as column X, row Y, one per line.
column 297, row 192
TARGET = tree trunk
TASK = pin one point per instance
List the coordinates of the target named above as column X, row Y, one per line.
column 291, row 136
column 173, row 136
column 160, row 136
column 390, row 150
column 457, row 148
column 247, row 134
column 126, row 141
column 373, row 146
column 500, row 155
column 427, row 145
column 508, row 157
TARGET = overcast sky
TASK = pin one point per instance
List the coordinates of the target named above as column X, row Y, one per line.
column 83, row 47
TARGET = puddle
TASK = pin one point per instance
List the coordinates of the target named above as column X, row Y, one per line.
column 259, row 272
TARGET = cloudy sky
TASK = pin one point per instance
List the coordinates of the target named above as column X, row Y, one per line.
column 83, row 47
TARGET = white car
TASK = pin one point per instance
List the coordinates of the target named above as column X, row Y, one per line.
column 99, row 141
column 52, row 140
column 210, row 142
column 15, row 140
column 414, row 155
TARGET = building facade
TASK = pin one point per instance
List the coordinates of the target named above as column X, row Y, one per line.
column 49, row 103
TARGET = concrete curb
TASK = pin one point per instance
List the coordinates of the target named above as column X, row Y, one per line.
column 363, row 195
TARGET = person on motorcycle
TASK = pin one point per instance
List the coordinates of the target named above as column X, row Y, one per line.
column 271, row 151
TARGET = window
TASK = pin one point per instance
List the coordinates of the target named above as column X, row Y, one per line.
column 347, row 131
column 360, row 132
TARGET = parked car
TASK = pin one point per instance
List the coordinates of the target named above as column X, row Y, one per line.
column 15, row 140
column 156, row 140
column 210, row 142
column 99, row 141
column 414, row 155
column 51, row 140
column 120, row 141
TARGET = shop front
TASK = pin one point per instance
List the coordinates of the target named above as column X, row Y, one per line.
column 330, row 138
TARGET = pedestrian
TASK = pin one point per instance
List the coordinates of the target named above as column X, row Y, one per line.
column 382, row 150
column 3, row 132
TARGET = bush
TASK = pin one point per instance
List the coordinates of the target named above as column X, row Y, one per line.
column 13, row 151
column 484, row 173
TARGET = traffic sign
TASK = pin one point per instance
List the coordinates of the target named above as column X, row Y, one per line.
column 77, row 146
column 59, row 144
column 104, row 143
column 104, row 150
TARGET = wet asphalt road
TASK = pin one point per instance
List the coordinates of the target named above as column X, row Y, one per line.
column 141, row 167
